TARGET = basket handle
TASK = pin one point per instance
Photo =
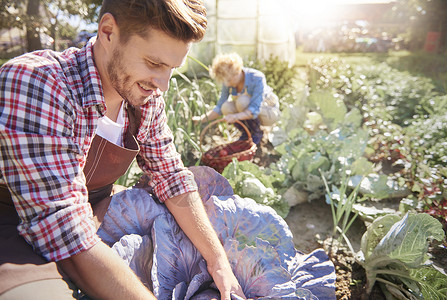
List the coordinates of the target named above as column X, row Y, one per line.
column 221, row 120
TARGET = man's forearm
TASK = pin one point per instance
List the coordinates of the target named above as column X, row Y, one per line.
column 102, row 274
column 190, row 214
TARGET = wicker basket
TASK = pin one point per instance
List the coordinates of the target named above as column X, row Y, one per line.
column 219, row 157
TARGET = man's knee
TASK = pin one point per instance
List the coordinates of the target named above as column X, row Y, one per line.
column 47, row 289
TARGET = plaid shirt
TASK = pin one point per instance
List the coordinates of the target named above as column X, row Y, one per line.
column 50, row 105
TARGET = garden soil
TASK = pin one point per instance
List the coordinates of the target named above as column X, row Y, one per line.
column 311, row 225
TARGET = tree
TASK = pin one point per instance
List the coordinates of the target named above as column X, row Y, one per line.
column 49, row 17
column 33, row 25
column 58, row 11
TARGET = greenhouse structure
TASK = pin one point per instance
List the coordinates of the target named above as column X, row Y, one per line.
column 256, row 29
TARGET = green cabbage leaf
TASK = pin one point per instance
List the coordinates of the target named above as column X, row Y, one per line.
column 394, row 252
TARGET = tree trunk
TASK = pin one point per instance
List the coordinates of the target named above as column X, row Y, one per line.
column 53, row 34
column 32, row 25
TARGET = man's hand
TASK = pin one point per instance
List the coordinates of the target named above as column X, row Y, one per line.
column 191, row 216
column 225, row 280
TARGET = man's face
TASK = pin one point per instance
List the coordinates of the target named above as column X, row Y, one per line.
column 143, row 66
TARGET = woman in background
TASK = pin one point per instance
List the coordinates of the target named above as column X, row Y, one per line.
column 245, row 97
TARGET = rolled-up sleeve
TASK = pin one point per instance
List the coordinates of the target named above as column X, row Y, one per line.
column 41, row 163
column 158, row 156
column 256, row 83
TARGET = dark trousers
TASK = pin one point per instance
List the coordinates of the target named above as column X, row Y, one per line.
column 254, row 126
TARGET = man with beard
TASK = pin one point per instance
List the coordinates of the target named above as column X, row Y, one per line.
column 70, row 124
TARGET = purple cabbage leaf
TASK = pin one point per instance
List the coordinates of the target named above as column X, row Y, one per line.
column 176, row 260
column 210, row 183
column 131, row 211
column 257, row 241
column 137, row 252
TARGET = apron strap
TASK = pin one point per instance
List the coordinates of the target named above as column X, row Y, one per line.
column 134, row 115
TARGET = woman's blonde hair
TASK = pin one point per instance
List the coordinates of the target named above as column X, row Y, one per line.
column 226, row 65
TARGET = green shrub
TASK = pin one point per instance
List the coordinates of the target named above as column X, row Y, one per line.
column 282, row 77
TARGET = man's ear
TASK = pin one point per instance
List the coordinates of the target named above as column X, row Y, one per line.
column 107, row 29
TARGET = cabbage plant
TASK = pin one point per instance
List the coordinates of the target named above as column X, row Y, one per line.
column 257, row 241
column 250, row 181
column 394, row 253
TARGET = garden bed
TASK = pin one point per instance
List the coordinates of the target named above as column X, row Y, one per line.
column 364, row 128
column 311, row 225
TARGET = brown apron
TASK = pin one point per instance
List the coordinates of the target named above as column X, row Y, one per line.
column 106, row 162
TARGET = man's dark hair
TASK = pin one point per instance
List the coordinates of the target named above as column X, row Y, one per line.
column 181, row 19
